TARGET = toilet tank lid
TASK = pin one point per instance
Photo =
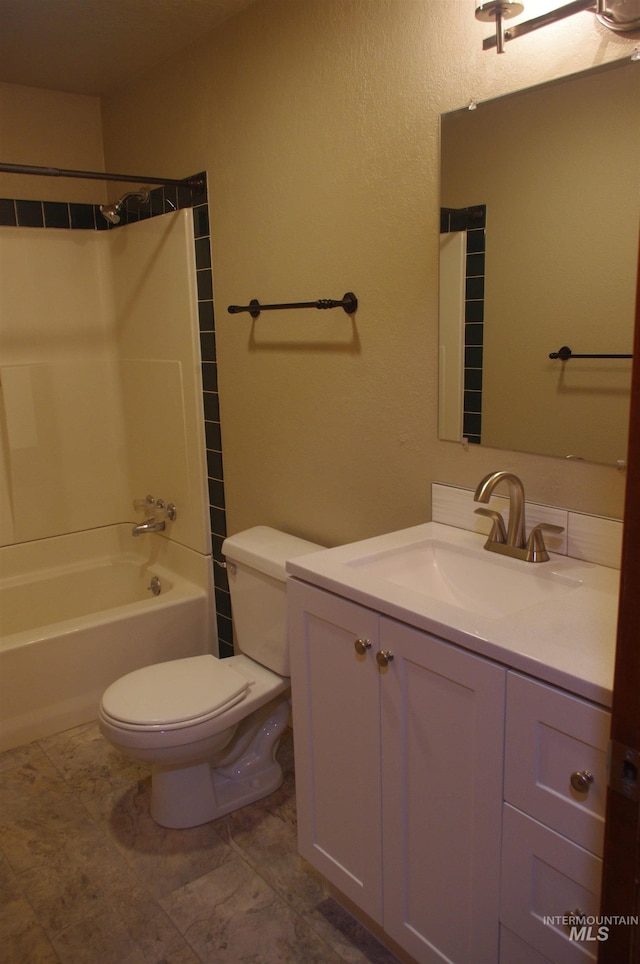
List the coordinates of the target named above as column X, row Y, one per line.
column 266, row 550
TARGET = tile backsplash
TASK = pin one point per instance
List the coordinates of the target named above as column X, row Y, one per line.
column 590, row 538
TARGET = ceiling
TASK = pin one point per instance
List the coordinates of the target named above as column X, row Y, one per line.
column 96, row 46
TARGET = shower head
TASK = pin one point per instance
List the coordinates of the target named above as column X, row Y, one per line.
column 112, row 211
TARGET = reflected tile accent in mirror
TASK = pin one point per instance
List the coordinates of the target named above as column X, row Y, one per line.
column 473, row 221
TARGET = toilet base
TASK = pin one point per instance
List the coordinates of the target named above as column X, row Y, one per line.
column 183, row 797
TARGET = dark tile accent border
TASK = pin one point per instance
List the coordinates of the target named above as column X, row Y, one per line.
column 8, row 216
column 71, row 216
column 473, row 220
column 212, row 428
column 50, row 214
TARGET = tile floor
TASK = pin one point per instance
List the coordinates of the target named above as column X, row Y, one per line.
column 87, row 877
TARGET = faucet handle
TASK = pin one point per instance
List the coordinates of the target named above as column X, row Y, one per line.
column 498, row 532
column 535, row 547
column 164, row 510
column 158, row 508
column 145, row 503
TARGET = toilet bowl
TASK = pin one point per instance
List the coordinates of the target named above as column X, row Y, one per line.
column 210, row 727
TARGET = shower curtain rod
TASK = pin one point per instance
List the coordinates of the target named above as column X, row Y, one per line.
column 194, row 183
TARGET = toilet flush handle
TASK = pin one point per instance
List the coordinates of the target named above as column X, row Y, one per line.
column 229, row 566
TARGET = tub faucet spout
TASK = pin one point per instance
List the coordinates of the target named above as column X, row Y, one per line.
column 160, row 513
column 149, row 525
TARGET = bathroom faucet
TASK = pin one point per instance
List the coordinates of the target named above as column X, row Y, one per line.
column 160, row 512
column 516, row 528
column 512, row 541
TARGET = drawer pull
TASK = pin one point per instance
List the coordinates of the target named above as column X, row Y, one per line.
column 581, row 780
column 361, row 646
column 574, row 917
column 384, row 657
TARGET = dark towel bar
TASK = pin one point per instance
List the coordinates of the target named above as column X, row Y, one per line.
column 349, row 302
column 565, row 353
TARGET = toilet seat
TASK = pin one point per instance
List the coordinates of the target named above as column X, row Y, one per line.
column 173, row 695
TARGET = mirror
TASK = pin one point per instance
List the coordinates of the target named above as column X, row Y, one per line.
column 540, row 195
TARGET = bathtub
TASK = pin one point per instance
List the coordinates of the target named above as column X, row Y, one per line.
column 78, row 611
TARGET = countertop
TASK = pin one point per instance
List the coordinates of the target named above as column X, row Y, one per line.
column 568, row 642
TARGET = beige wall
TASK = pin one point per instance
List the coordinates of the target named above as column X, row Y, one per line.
column 318, row 122
column 47, row 128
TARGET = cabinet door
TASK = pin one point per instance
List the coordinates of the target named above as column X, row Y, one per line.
column 442, row 722
column 335, row 695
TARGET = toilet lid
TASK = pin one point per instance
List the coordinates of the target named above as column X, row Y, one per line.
column 178, row 693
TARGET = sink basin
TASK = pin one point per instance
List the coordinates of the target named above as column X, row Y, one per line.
column 475, row 580
column 554, row 620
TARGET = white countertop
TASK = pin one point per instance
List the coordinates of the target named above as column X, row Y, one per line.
column 568, row 642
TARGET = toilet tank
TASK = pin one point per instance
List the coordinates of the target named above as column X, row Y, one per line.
column 256, row 560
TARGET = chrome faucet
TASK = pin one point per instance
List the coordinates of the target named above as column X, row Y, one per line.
column 512, row 541
column 160, row 512
column 149, row 525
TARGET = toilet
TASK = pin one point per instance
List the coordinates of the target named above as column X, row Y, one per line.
column 210, row 727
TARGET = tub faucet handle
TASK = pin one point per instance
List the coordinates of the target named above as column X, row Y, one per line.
column 145, row 503
column 165, row 510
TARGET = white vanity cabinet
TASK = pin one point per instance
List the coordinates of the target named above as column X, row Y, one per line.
column 553, row 829
column 456, row 794
column 399, row 774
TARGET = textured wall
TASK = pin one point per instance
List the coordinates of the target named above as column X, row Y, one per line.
column 318, row 123
column 49, row 128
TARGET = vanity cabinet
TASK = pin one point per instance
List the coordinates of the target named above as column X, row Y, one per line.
column 399, row 740
column 451, row 741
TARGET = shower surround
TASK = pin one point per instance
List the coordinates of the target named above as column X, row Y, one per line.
column 102, row 402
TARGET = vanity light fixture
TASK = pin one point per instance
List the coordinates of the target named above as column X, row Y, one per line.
column 618, row 15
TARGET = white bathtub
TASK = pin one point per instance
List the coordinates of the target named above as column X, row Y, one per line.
column 76, row 613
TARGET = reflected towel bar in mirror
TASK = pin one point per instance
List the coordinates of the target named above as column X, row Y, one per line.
column 349, row 302
column 565, row 353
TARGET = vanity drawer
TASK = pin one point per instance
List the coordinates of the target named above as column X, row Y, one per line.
column 545, row 876
column 513, row 950
column 552, row 740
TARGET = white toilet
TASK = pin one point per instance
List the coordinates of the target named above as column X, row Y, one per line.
column 210, row 727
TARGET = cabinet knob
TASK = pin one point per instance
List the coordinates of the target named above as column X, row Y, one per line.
column 581, row 780
column 574, row 917
column 361, row 646
column 383, row 657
